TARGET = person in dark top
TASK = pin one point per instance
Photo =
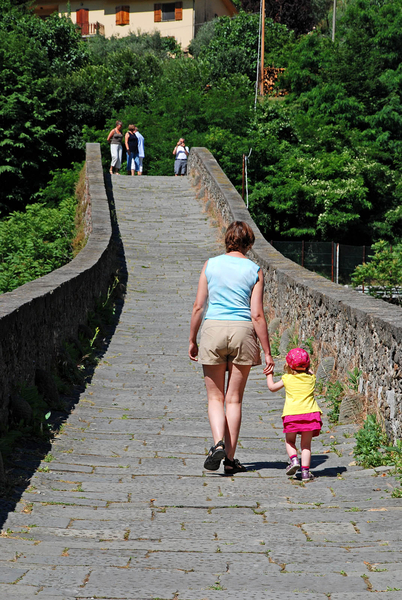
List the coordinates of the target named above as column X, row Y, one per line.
column 131, row 141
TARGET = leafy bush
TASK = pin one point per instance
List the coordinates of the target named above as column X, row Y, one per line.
column 333, row 398
column 370, row 439
column 38, row 240
column 383, row 274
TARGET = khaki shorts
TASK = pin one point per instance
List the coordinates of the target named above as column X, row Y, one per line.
column 225, row 341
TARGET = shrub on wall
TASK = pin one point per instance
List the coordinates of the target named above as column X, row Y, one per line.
column 38, row 240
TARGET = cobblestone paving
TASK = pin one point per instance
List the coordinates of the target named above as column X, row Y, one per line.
column 126, row 511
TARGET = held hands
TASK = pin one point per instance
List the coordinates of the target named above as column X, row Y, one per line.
column 269, row 365
column 193, row 351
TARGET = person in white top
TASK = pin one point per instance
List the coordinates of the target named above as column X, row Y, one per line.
column 181, row 153
column 141, row 152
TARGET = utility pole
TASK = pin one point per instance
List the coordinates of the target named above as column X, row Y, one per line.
column 333, row 21
column 262, row 47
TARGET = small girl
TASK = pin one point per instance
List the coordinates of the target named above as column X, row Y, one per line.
column 301, row 413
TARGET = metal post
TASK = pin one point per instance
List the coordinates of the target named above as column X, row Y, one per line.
column 242, row 186
column 332, row 261
column 337, row 263
column 262, row 46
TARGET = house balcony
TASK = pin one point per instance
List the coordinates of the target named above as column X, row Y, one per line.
column 91, row 29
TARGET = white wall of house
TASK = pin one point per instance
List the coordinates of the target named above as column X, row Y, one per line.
column 141, row 18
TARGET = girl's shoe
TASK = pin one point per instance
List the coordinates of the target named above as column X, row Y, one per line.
column 307, row 476
column 215, row 455
column 293, row 466
column 233, row 466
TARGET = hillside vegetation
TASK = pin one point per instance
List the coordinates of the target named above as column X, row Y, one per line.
column 325, row 161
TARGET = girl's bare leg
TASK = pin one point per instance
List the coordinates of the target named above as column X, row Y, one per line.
column 238, row 375
column 214, row 376
column 291, row 444
column 306, row 438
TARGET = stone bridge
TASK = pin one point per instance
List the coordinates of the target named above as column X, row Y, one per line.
column 121, row 507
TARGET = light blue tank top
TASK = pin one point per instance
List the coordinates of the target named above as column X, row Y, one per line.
column 230, row 282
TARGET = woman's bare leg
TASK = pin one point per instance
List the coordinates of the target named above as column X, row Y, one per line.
column 238, row 375
column 214, row 376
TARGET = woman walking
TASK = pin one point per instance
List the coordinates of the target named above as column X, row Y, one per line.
column 131, row 142
column 115, row 138
column 234, row 286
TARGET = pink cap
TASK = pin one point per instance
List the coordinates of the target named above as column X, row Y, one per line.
column 298, row 359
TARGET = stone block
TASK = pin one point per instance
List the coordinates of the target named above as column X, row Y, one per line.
column 285, row 339
column 325, row 369
column 351, row 408
column 274, row 325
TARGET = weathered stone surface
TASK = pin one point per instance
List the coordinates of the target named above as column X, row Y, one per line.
column 45, row 312
column 351, row 408
column 20, row 408
column 325, row 369
column 285, row 339
column 274, row 325
column 130, row 514
column 46, row 385
column 363, row 332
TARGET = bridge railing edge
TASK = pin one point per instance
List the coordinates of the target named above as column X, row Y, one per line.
column 37, row 317
column 358, row 330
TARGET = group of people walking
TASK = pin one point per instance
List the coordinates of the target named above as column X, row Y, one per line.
column 233, row 286
column 135, row 150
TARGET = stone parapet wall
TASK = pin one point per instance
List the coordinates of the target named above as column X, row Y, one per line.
column 37, row 317
column 358, row 330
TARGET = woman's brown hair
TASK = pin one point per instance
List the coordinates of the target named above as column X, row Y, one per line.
column 131, row 127
column 239, row 237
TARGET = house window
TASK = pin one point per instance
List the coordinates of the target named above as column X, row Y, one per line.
column 169, row 11
column 122, row 15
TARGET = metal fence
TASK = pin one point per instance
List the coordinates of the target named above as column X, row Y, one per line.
column 334, row 261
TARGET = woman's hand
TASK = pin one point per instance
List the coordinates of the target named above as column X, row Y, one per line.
column 193, row 351
column 269, row 365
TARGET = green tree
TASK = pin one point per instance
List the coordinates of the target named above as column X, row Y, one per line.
column 382, row 276
column 36, row 241
column 230, row 45
column 31, row 144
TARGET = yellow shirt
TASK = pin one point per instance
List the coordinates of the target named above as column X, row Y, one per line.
column 299, row 394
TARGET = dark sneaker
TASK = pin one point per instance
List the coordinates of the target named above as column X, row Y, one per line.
column 215, row 455
column 293, row 466
column 307, row 476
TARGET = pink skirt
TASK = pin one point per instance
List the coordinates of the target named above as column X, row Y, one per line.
column 299, row 423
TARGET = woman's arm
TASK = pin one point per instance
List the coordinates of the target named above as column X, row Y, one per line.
column 272, row 386
column 110, row 135
column 198, row 311
column 126, row 142
column 259, row 322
